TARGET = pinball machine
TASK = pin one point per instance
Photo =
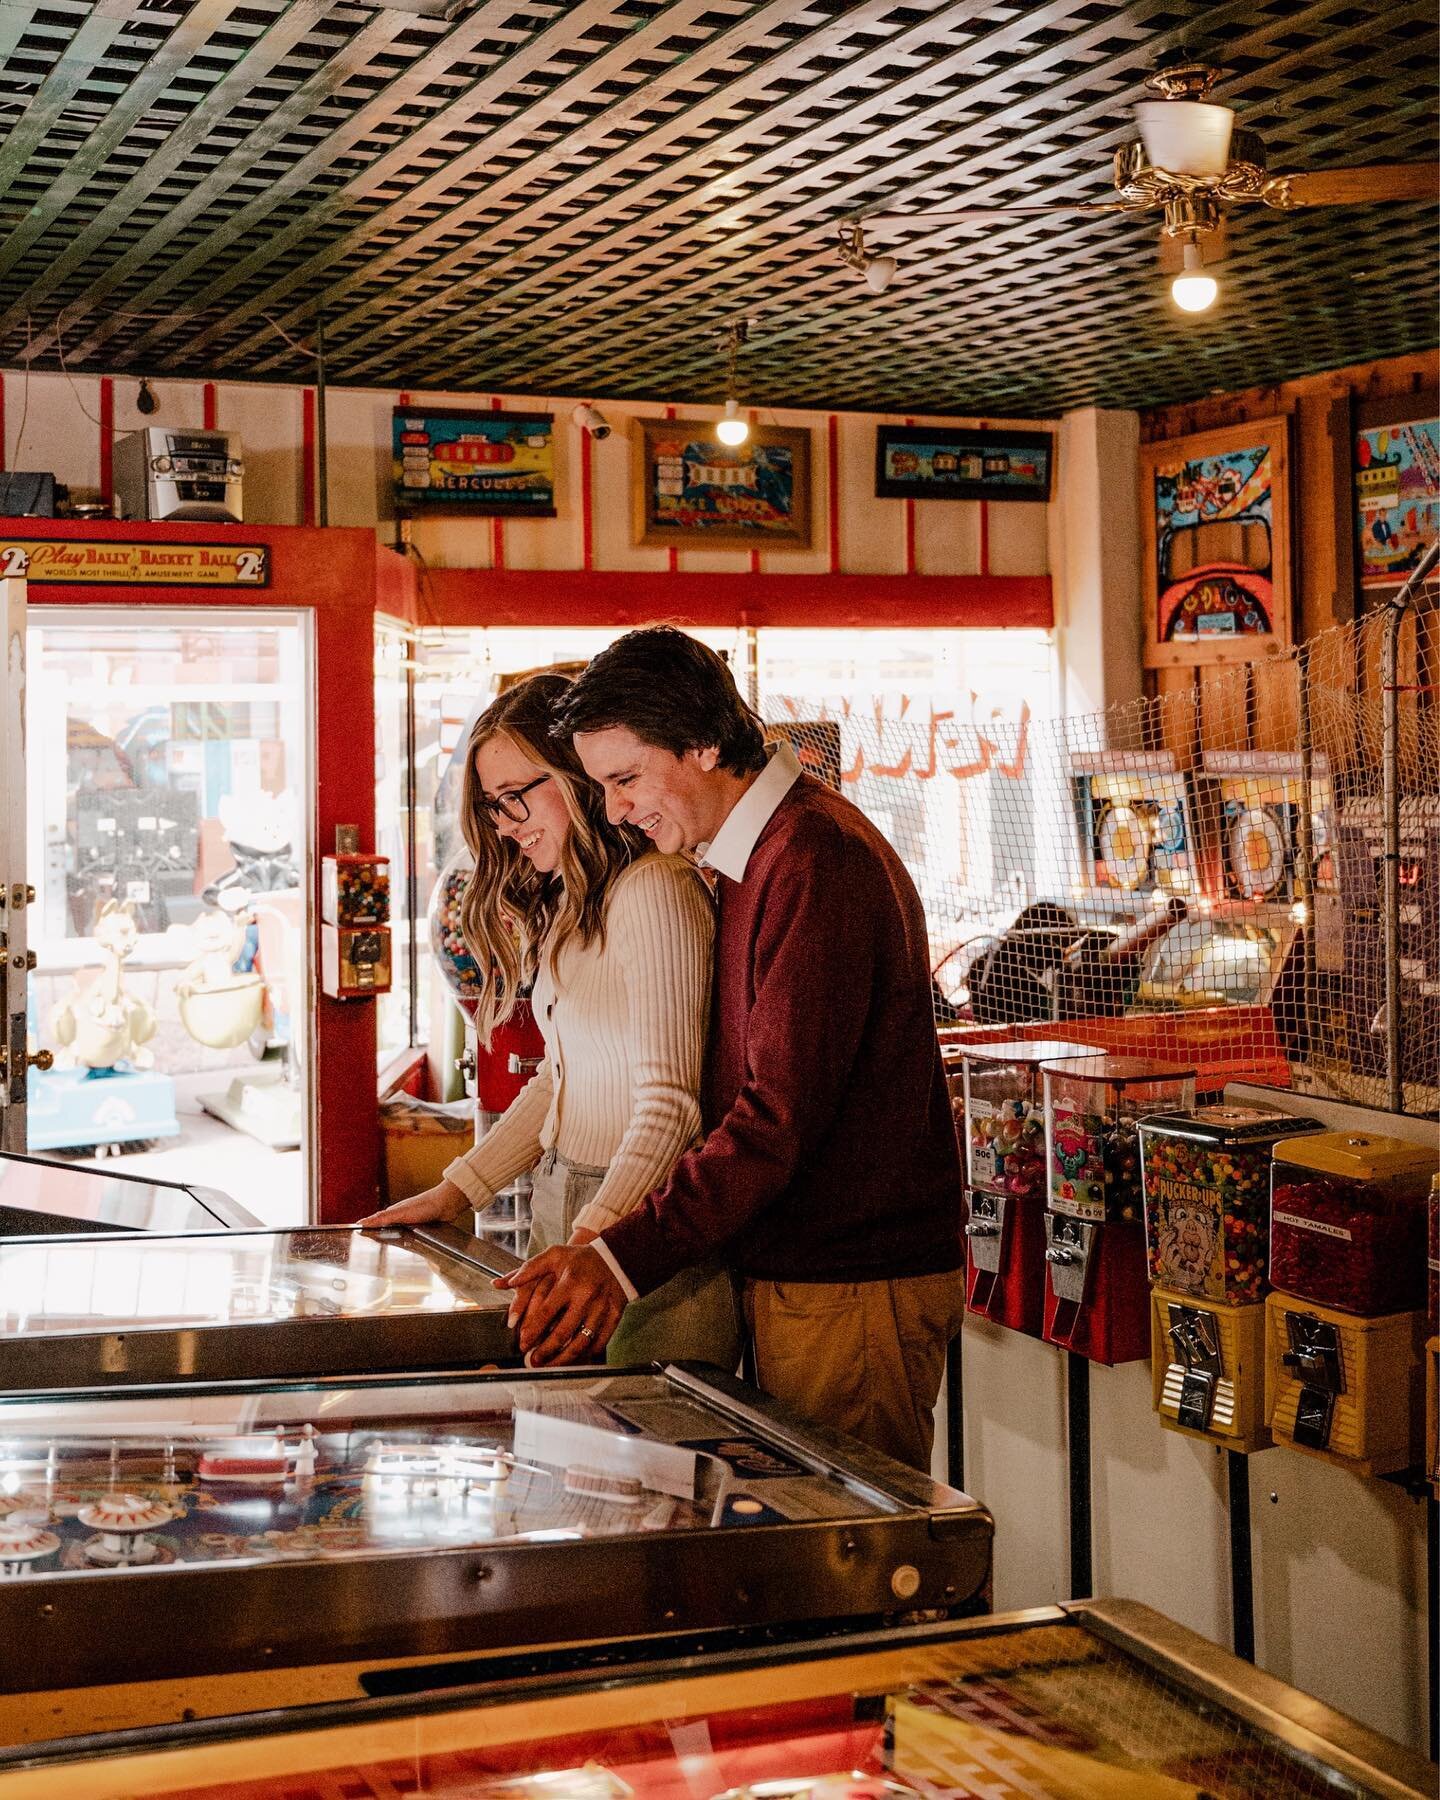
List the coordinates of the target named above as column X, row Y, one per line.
column 111, row 1312
column 353, row 1537
column 1071, row 1702
column 43, row 1198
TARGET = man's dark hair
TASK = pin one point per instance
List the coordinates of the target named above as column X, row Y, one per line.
column 671, row 691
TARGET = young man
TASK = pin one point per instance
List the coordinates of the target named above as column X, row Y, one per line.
column 829, row 1179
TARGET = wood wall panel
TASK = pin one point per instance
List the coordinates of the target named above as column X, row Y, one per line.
column 1321, row 408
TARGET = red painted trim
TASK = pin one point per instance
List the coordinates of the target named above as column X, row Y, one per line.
column 832, row 488
column 909, row 530
column 672, row 555
column 2, row 420
column 754, row 554
column 211, row 411
column 307, row 459
column 497, row 526
column 625, row 598
column 587, row 502
column 107, row 440
column 403, row 397
column 984, row 530
column 333, row 575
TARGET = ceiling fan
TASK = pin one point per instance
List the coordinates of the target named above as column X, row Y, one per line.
column 1190, row 160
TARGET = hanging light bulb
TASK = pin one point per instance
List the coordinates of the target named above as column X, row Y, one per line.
column 1193, row 290
column 732, row 429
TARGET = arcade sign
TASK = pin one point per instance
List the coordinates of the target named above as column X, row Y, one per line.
column 86, row 562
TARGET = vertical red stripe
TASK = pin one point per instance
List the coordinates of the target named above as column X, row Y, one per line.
column 2, row 420
column 909, row 530
column 107, row 441
column 497, row 526
column 754, row 554
column 402, row 398
column 211, row 413
column 307, row 459
column 587, row 503
column 832, row 476
column 984, row 530
column 672, row 555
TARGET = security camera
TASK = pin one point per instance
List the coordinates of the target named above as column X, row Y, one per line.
column 591, row 419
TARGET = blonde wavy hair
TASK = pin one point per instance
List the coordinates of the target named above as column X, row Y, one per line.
column 510, row 912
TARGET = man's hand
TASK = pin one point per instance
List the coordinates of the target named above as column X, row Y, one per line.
column 566, row 1306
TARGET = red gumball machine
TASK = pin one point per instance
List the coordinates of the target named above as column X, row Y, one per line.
column 1345, row 1326
column 1097, row 1289
column 998, row 1101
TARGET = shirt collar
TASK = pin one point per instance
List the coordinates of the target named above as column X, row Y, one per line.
column 731, row 847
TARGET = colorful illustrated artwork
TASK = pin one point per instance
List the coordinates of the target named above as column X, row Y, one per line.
column 1217, row 544
column 690, row 488
column 473, row 462
column 934, row 462
column 1397, row 498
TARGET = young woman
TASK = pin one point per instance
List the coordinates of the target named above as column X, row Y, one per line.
column 616, row 939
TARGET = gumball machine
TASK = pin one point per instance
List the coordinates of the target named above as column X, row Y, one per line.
column 1346, row 1324
column 355, row 924
column 1000, row 1115
column 1097, row 1294
column 498, row 1070
column 1206, row 1178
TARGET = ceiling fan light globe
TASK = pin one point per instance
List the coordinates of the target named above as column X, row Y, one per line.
column 1194, row 291
column 879, row 273
column 1185, row 137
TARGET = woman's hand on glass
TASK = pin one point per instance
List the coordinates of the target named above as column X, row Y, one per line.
column 441, row 1204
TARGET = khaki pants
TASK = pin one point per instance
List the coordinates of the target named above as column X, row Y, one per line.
column 694, row 1317
column 863, row 1357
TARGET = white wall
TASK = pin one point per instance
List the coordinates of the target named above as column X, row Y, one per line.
column 61, row 433
column 1339, row 1562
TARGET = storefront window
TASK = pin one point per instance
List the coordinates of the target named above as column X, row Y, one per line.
column 168, row 776
column 927, row 731
column 884, row 712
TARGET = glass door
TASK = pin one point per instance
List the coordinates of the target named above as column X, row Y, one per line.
column 169, row 800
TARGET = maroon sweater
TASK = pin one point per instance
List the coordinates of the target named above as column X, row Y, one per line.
column 830, row 1153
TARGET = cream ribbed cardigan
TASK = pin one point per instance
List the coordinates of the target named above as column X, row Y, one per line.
column 624, row 1029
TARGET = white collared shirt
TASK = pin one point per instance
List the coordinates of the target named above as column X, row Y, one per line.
column 729, row 852
column 733, row 843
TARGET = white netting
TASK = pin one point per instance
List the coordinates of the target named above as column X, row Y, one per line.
column 1199, row 873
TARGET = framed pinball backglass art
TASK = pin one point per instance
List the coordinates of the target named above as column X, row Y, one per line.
column 691, row 491
column 1215, row 518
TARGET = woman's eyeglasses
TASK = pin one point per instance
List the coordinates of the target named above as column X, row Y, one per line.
column 514, row 805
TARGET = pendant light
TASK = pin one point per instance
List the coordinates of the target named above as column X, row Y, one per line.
column 732, row 429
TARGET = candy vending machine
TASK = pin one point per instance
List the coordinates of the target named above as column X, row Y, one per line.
column 1206, row 1178
column 1097, row 1298
column 999, row 1104
column 1345, row 1325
